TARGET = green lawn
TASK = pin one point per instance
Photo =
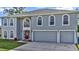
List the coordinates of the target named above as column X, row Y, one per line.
column 6, row 45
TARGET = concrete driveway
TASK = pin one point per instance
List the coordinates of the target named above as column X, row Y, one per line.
column 41, row 46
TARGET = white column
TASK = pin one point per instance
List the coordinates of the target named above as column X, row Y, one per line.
column 15, row 25
column 75, row 37
column 22, row 34
column 2, row 34
column 58, row 37
column 32, row 36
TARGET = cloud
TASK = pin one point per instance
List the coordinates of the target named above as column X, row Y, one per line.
column 65, row 8
column 1, row 9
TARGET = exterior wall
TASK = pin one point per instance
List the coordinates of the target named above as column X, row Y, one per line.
column 19, row 28
column 58, row 25
column 8, row 28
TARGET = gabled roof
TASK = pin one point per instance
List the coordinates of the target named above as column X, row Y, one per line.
column 43, row 12
column 49, row 11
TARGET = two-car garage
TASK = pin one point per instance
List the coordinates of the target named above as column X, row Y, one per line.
column 54, row 36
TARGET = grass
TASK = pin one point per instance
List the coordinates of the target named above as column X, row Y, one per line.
column 6, row 45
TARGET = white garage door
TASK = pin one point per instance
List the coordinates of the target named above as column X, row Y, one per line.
column 45, row 36
column 67, row 37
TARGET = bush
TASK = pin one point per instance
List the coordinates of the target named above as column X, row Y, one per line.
column 15, row 39
column 77, row 28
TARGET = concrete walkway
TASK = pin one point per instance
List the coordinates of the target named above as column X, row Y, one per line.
column 41, row 46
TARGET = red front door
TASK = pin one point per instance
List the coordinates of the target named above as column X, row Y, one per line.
column 26, row 34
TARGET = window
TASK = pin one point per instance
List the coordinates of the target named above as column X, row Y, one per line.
column 40, row 21
column 51, row 20
column 11, row 34
column 5, row 22
column 66, row 19
column 11, row 22
column 26, row 23
column 5, row 34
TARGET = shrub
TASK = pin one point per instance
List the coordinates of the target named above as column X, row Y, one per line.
column 77, row 28
column 15, row 39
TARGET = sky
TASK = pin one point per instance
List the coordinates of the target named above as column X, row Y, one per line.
column 34, row 8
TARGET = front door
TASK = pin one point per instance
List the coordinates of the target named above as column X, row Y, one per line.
column 26, row 35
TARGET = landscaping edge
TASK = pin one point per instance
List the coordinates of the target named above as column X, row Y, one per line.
column 77, row 46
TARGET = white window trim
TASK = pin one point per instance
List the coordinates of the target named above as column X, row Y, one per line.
column 10, row 21
column 49, row 20
column 25, row 20
column 37, row 21
column 25, row 28
column 68, row 20
column 7, row 22
column 10, row 34
column 3, row 34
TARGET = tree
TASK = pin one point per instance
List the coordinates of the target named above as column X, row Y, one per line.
column 14, row 10
column 76, row 8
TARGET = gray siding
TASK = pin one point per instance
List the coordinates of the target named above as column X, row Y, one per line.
column 19, row 28
column 58, row 26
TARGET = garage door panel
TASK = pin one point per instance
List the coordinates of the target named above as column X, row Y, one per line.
column 67, row 37
column 45, row 36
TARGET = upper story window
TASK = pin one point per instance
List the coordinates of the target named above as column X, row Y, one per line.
column 26, row 23
column 65, row 20
column 51, row 20
column 11, row 22
column 40, row 21
column 5, row 34
column 5, row 22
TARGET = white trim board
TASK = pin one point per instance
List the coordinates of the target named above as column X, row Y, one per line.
column 14, row 34
column 25, row 20
column 44, row 30
column 53, row 30
column 32, row 36
column 68, row 20
column 49, row 20
column 37, row 21
column 25, row 28
column 75, row 37
column 7, row 19
column 3, row 34
column 10, row 22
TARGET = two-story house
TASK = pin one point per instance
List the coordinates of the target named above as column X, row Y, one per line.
column 43, row 25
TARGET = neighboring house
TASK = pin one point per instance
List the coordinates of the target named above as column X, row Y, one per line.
column 44, row 25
